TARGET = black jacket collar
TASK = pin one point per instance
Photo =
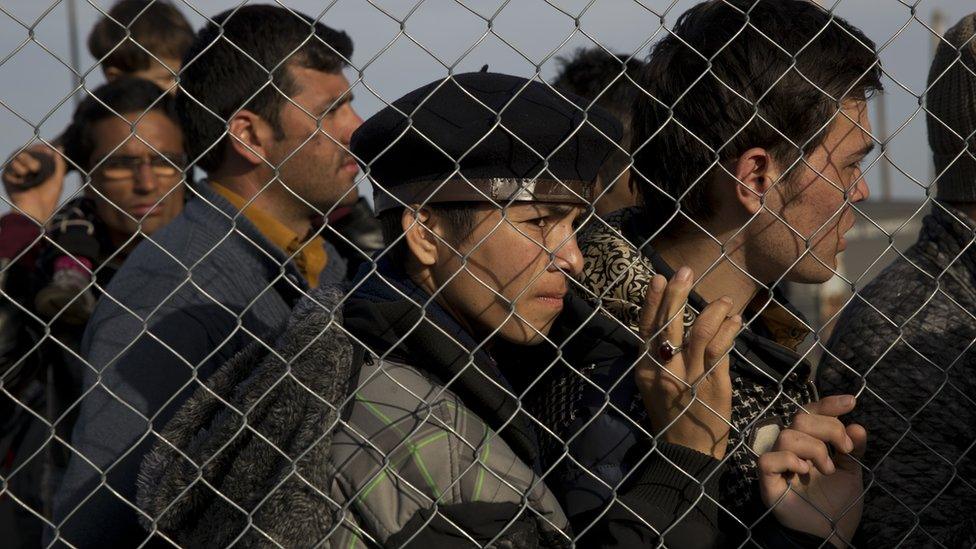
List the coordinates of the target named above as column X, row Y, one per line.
column 400, row 322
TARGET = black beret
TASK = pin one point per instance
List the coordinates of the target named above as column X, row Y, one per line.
column 443, row 143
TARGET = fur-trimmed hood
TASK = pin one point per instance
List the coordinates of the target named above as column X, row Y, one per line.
column 257, row 433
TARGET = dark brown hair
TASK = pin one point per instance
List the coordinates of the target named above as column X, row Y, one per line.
column 737, row 74
column 233, row 58
column 134, row 29
column 609, row 80
column 458, row 219
column 112, row 100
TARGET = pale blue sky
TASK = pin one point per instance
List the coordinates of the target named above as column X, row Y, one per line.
column 525, row 34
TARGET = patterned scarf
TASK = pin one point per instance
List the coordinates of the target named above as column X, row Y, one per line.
column 764, row 399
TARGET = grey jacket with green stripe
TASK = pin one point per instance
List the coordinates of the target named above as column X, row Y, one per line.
column 408, row 443
column 324, row 453
column 318, row 442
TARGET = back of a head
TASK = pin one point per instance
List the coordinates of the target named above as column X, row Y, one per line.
column 737, row 74
column 112, row 100
column 595, row 74
column 233, row 62
column 951, row 112
column 610, row 81
column 135, row 31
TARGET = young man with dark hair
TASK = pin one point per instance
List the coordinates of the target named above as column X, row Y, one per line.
column 905, row 341
column 748, row 146
column 229, row 269
column 606, row 80
column 127, row 139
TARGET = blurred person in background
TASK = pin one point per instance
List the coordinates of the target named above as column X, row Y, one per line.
column 743, row 201
column 51, row 279
column 606, row 80
column 228, row 270
column 136, row 38
column 141, row 38
column 904, row 343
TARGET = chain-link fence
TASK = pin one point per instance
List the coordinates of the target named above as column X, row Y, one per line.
column 605, row 277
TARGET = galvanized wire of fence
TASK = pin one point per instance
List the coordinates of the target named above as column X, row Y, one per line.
column 40, row 441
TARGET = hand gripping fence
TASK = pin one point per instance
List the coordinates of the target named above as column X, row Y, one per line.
column 220, row 411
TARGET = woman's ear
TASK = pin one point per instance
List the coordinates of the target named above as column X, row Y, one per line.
column 756, row 174
column 418, row 236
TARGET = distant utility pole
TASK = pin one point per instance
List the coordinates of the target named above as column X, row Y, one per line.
column 73, row 53
column 881, row 128
column 938, row 27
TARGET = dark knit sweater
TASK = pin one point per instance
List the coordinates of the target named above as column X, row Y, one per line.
column 905, row 346
column 185, row 301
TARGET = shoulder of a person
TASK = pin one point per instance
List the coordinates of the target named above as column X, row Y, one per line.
column 391, row 393
column 904, row 299
column 17, row 234
column 893, row 296
column 401, row 414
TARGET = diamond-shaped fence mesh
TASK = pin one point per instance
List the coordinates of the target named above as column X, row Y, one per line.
column 607, row 276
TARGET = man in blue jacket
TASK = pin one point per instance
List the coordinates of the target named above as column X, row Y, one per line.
column 226, row 272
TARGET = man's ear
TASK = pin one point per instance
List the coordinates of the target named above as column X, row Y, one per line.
column 249, row 136
column 112, row 73
column 755, row 173
column 418, row 236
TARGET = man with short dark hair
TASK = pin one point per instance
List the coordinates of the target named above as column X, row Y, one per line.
column 747, row 146
column 226, row 272
column 126, row 137
column 905, row 341
column 606, row 80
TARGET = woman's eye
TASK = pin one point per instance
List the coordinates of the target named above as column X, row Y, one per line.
column 540, row 222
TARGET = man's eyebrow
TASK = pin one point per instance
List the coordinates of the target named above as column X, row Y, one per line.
column 332, row 104
column 863, row 151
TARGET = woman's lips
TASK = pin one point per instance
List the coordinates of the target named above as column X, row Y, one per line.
column 552, row 300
